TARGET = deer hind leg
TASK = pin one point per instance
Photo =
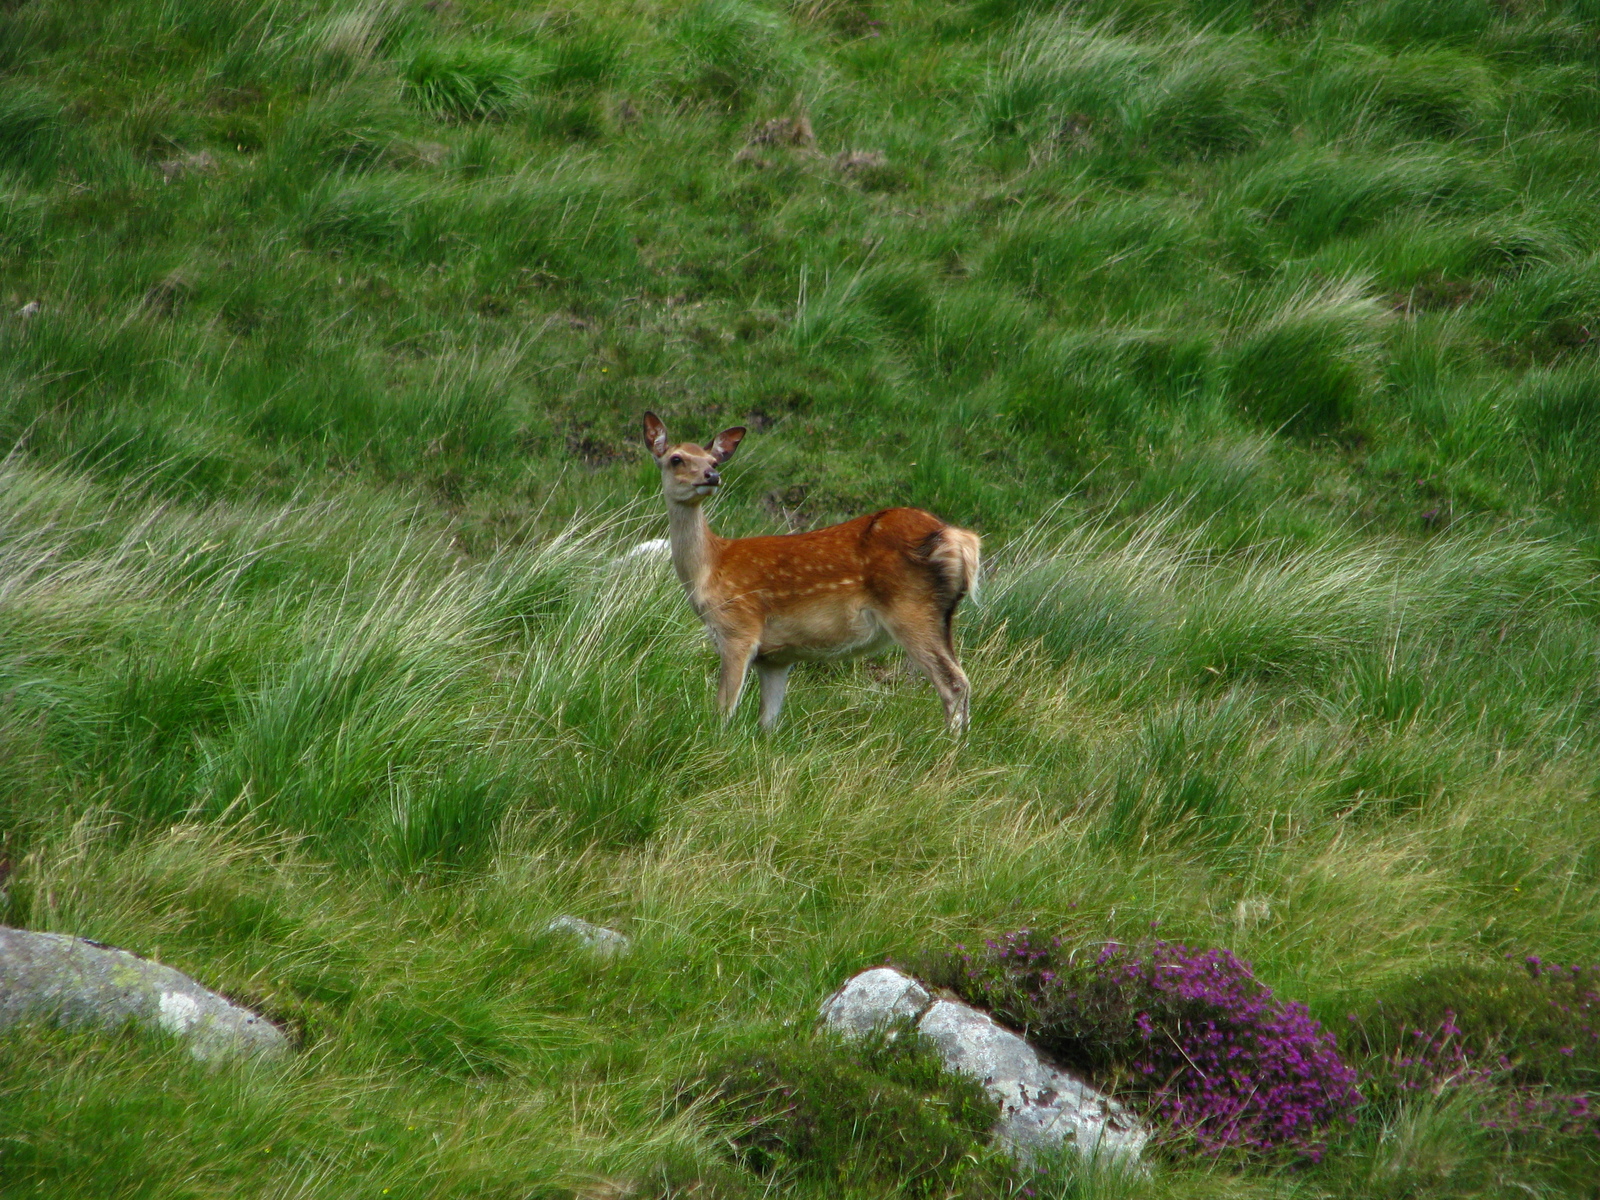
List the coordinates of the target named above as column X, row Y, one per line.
column 926, row 637
column 774, row 680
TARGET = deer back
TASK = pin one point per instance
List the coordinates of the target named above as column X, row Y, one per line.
column 882, row 559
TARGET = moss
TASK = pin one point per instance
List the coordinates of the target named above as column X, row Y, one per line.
column 882, row 1113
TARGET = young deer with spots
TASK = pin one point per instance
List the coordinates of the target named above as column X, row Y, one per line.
column 893, row 576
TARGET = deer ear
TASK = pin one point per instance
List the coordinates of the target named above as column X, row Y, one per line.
column 655, row 434
column 726, row 442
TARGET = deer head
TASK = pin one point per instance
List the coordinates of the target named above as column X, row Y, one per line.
column 689, row 472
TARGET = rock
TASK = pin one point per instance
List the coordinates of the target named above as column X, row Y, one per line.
column 873, row 999
column 605, row 943
column 1042, row 1106
column 74, row 981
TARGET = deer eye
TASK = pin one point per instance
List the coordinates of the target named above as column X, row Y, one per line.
column 676, row 460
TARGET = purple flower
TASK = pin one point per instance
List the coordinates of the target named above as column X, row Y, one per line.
column 1192, row 1034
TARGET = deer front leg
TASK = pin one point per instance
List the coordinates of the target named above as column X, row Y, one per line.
column 737, row 651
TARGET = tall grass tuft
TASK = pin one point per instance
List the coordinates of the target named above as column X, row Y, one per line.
column 724, row 49
column 1309, row 366
column 470, row 80
column 1196, row 95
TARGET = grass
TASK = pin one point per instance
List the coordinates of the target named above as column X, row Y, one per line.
column 1255, row 339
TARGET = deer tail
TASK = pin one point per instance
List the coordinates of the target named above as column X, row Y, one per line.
column 955, row 556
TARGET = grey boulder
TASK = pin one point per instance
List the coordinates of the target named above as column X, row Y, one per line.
column 73, row 981
column 872, row 1000
column 1043, row 1107
column 597, row 939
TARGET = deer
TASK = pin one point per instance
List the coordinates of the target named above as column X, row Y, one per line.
column 893, row 576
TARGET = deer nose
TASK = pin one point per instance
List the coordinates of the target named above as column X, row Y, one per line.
column 713, row 477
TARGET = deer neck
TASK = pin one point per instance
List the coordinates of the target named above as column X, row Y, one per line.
column 693, row 547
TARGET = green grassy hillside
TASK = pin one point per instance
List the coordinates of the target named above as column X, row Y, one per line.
column 1256, row 339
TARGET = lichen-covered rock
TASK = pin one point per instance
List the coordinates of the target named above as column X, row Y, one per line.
column 873, row 999
column 602, row 942
column 1042, row 1106
column 73, row 981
